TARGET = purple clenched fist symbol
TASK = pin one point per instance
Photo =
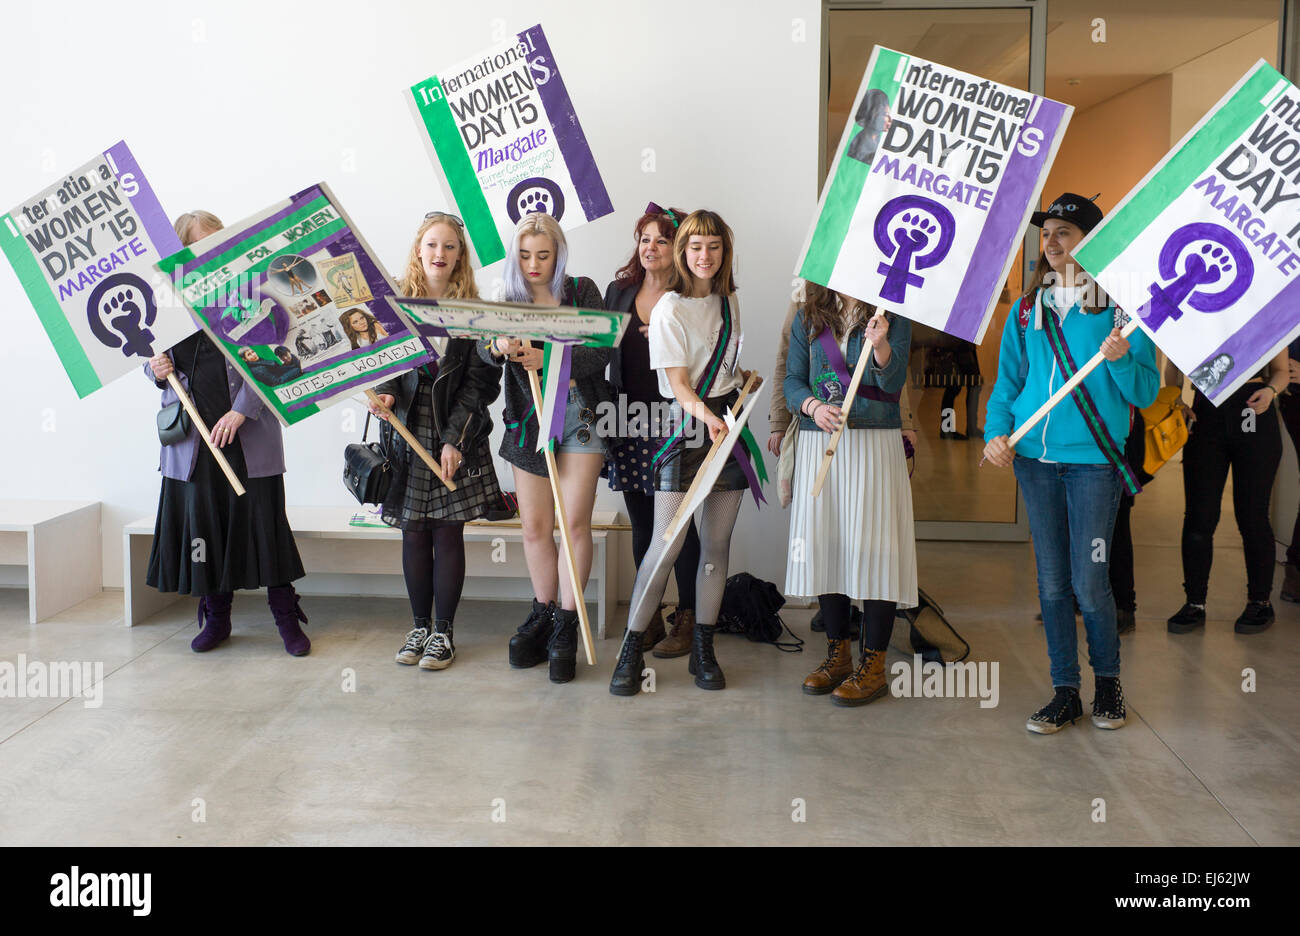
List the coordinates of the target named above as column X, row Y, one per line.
column 915, row 236
column 922, row 239
column 1222, row 259
column 121, row 309
column 137, row 340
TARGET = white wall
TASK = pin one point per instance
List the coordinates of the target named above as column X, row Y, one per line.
column 232, row 106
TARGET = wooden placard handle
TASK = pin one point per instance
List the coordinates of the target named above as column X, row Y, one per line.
column 410, row 439
column 204, row 433
column 561, row 515
column 859, row 369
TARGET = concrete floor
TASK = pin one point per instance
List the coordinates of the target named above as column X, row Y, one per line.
column 279, row 753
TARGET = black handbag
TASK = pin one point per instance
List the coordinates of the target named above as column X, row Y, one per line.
column 173, row 420
column 173, row 423
column 366, row 469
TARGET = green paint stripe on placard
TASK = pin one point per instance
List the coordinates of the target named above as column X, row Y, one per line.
column 304, row 244
column 66, row 344
column 1182, row 169
column 846, row 187
column 456, row 165
column 254, row 240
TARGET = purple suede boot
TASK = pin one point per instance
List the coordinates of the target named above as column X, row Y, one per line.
column 214, row 621
column 284, row 605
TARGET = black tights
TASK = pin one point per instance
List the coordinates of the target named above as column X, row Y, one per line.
column 641, row 514
column 877, row 620
column 433, row 563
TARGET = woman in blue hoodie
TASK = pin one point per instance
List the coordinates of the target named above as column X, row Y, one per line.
column 1071, row 466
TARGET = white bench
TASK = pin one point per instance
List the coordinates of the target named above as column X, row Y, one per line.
column 59, row 543
column 341, row 559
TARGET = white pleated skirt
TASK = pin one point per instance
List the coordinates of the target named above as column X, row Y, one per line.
column 858, row 537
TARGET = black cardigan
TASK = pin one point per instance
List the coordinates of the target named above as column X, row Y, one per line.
column 620, row 297
column 588, row 373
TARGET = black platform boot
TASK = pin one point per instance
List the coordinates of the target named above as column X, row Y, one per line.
column 528, row 644
column 626, row 680
column 704, row 665
column 563, row 646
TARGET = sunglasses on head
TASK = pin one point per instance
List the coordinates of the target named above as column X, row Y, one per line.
column 455, row 219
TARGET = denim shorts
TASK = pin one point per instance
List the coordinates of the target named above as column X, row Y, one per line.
column 573, row 423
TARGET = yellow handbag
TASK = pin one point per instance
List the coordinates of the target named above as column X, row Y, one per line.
column 1166, row 429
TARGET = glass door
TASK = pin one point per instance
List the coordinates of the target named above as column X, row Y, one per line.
column 948, row 379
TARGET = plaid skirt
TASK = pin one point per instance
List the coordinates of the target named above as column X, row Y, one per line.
column 416, row 496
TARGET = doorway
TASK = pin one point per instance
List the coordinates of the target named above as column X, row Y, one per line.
column 1139, row 74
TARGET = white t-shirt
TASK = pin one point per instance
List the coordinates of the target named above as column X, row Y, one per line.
column 683, row 333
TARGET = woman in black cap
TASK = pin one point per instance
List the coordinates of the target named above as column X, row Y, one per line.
column 1071, row 466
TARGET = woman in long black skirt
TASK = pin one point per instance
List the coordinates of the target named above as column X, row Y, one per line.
column 208, row 541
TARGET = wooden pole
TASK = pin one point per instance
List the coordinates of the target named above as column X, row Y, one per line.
column 859, row 369
column 1066, row 388
column 553, row 473
column 204, row 433
column 679, row 519
column 411, row 440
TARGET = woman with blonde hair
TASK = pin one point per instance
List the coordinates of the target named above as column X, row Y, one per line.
column 445, row 405
column 695, row 340
column 535, row 272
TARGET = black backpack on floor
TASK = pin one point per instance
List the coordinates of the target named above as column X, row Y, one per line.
column 750, row 606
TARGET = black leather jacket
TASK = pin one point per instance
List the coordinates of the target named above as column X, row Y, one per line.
column 463, row 389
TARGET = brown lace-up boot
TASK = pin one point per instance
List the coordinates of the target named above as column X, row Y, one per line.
column 833, row 670
column 678, row 641
column 867, row 682
column 655, row 630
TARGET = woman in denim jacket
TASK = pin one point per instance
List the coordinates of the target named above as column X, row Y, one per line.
column 856, row 540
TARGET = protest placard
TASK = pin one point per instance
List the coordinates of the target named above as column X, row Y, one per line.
column 298, row 303
column 932, row 186
column 1204, row 251
column 561, row 328
column 84, row 250
column 479, row 318
column 507, row 142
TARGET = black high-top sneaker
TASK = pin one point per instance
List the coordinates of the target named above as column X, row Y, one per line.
column 1257, row 617
column 704, row 665
column 415, row 640
column 626, row 680
column 439, row 651
column 1108, row 703
column 1187, row 619
column 562, row 648
column 528, row 644
column 1064, row 708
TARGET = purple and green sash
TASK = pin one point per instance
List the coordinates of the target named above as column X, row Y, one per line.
column 831, row 348
column 748, row 454
column 1087, row 408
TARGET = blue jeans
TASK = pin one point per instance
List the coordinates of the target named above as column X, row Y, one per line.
column 573, row 422
column 1072, row 516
